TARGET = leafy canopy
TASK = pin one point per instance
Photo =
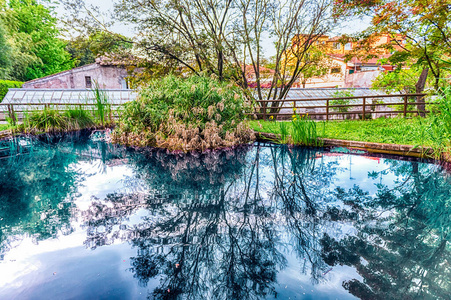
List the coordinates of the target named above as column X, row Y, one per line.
column 32, row 34
column 420, row 31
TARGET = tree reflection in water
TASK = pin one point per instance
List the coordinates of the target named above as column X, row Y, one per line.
column 222, row 224
column 402, row 246
column 38, row 184
column 34, row 186
column 209, row 231
column 205, row 235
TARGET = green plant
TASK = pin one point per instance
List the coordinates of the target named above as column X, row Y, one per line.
column 102, row 104
column 5, row 85
column 79, row 118
column 48, row 120
column 304, row 131
column 440, row 125
column 283, row 132
column 194, row 113
column 341, row 101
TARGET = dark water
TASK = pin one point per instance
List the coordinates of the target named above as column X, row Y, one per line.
column 83, row 219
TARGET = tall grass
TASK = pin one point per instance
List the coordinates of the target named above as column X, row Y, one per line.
column 305, row 131
column 302, row 130
column 102, row 105
column 440, row 125
column 79, row 118
column 50, row 119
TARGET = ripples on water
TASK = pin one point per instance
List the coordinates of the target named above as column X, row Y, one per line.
column 81, row 218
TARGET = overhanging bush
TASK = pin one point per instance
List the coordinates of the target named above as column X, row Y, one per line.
column 8, row 84
column 196, row 113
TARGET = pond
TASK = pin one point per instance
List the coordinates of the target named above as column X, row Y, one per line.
column 83, row 219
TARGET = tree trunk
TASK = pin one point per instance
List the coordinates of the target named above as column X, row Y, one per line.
column 419, row 87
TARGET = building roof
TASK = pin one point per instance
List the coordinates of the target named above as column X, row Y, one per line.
column 62, row 73
column 250, row 71
column 33, row 98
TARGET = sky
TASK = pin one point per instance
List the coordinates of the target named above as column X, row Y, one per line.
column 352, row 26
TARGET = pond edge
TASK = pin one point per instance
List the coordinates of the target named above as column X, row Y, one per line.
column 382, row 148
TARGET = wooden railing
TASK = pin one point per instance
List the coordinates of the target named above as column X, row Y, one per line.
column 264, row 110
column 15, row 111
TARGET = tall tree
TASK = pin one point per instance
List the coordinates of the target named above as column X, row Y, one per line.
column 221, row 37
column 424, row 25
column 33, row 34
column 5, row 54
column 85, row 49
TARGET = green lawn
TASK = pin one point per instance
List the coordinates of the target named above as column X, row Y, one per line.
column 394, row 131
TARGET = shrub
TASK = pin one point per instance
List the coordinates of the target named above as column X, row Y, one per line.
column 341, row 101
column 195, row 113
column 5, row 85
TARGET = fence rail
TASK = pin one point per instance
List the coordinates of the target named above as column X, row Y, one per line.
column 15, row 111
column 330, row 109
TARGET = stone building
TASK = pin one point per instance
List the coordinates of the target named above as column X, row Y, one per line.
column 109, row 75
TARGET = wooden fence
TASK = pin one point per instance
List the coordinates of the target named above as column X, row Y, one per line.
column 16, row 111
column 330, row 109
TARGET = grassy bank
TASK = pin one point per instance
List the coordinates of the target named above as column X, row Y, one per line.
column 414, row 131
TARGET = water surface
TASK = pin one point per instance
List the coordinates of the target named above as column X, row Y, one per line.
column 83, row 219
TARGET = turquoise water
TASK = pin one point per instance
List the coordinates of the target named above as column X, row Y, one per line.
column 83, row 219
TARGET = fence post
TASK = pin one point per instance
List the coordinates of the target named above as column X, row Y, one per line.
column 363, row 108
column 405, row 106
column 327, row 110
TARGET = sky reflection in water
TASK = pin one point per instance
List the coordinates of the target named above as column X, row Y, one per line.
column 80, row 218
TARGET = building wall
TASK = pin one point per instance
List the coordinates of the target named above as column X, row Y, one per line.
column 361, row 79
column 108, row 77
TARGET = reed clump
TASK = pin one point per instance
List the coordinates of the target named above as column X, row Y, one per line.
column 51, row 119
column 301, row 131
column 195, row 113
column 304, row 131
